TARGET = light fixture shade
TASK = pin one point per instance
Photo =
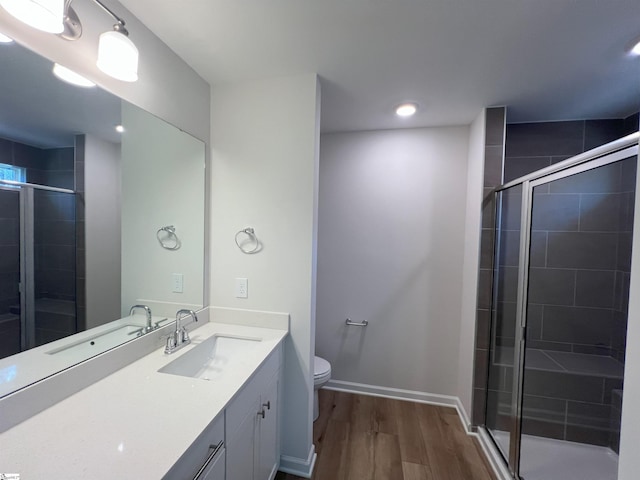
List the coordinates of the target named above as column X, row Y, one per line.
column 118, row 56
column 45, row 15
column 636, row 49
column 69, row 76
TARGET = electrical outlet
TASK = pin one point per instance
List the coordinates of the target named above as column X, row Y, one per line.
column 242, row 288
column 177, row 282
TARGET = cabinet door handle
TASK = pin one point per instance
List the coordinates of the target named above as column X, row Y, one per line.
column 261, row 413
column 268, row 405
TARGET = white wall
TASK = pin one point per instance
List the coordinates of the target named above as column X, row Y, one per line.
column 167, row 87
column 264, row 175
column 102, row 230
column 162, row 184
column 473, row 224
column 390, row 250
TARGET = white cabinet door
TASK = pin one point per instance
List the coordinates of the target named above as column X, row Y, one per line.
column 268, row 450
column 252, row 426
column 240, row 448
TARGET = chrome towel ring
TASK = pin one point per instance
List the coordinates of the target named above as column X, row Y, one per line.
column 169, row 240
column 251, row 239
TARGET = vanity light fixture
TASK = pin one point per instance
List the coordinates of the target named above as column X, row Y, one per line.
column 406, row 109
column 45, row 15
column 117, row 54
column 119, row 128
column 5, row 39
column 69, row 76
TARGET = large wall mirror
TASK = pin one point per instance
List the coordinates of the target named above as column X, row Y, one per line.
column 101, row 208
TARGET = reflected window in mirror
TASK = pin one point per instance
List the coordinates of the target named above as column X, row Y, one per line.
column 12, row 173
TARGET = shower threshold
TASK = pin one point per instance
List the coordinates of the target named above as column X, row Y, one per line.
column 550, row 459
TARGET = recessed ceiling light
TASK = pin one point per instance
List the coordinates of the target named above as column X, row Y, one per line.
column 636, row 49
column 119, row 128
column 406, row 109
column 5, row 39
column 69, row 76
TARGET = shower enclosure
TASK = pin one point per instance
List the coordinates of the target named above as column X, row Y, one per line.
column 37, row 265
column 562, row 265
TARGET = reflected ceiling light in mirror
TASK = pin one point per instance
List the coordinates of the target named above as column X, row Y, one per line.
column 45, row 15
column 117, row 55
column 69, row 76
column 406, row 109
column 119, row 128
column 5, row 39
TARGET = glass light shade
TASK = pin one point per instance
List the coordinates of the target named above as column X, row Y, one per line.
column 118, row 56
column 5, row 39
column 45, row 15
column 69, row 76
column 636, row 49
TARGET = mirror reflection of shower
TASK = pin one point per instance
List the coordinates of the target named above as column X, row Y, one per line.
column 38, row 274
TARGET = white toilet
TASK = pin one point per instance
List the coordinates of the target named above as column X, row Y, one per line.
column 321, row 375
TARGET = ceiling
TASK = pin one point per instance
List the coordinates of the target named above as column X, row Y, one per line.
column 544, row 59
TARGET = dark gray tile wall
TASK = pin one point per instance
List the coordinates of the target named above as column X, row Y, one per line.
column 495, row 120
column 532, row 146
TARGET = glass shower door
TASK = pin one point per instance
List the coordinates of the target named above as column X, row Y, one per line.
column 10, row 226
column 54, row 266
column 37, row 267
column 576, row 319
column 501, row 414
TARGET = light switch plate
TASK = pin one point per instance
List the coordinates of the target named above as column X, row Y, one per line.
column 177, row 282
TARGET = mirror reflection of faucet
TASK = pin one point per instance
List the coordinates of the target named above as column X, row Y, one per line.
column 180, row 337
column 148, row 327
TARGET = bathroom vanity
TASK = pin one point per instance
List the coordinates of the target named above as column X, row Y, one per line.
column 208, row 411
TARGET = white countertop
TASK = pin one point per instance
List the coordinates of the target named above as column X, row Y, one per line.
column 135, row 423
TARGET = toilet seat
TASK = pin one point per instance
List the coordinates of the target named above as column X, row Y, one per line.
column 321, row 370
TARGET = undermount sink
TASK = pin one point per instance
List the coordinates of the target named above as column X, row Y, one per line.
column 208, row 360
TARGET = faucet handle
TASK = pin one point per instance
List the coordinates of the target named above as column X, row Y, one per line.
column 172, row 342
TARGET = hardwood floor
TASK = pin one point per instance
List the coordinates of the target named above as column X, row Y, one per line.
column 360, row 437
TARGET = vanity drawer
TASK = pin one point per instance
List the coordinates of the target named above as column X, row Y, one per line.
column 191, row 461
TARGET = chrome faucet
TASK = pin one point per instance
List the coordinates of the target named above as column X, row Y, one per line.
column 180, row 337
column 147, row 310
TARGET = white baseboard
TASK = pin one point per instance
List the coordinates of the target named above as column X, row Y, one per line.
column 400, row 394
column 430, row 398
column 298, row 466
